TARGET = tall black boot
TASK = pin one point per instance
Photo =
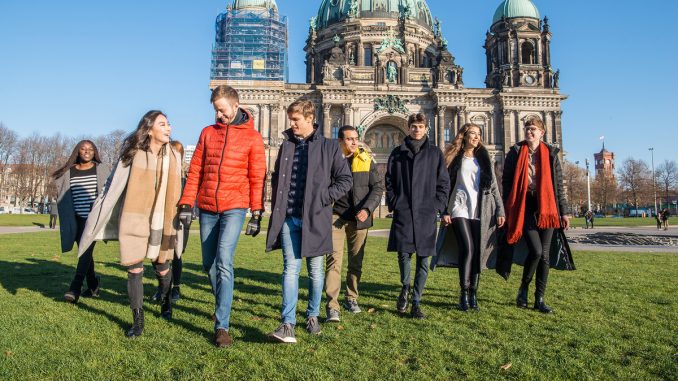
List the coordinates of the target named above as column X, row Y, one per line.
column 463, row 300
column 472, row 297
column 542, row 279
column 521, row 299
column 402, row 303
column 164, row 286
column 138, row 325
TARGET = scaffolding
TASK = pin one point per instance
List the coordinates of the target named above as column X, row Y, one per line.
column 250, row 45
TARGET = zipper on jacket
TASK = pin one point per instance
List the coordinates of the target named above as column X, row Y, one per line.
column 221, row 161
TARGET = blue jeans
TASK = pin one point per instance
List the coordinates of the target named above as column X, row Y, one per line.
column 291, row 248
column 219, row 233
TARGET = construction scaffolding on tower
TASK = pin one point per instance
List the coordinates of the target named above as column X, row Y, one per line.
column 250, row 48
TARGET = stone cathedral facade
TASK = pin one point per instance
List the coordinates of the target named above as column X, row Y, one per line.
column 370, row 63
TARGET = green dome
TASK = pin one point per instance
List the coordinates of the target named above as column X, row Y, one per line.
column 516, row 8
column 266, row 4
column 332, row 11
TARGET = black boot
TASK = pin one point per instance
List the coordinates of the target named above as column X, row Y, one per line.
column 463, row 300
column 472, row 298
column 521, row 299
column 416, row 312
column 138, row 325
column 401, row 304
column 164, row 286
column 540, row 306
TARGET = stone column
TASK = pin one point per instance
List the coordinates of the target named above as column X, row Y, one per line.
column 520, row 132
column 461, row 117
column 275, row 120
column 361, row 55
column 441, row 127
column 356, row 117
column 348, row 117
column 509, row 130
column 558, row 133
column 265, row 122
column 490, row 129
column 327, row 128
column 255, row 118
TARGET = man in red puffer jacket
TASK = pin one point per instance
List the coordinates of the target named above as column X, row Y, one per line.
column 227, row 175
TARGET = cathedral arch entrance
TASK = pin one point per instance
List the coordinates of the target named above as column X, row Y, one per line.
column 384, row 134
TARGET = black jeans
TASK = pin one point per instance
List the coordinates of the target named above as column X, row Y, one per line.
column 539, row 244
column 468, row 239
column 85, row 268
column 420, row 274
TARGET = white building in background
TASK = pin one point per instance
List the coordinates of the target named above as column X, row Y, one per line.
column 188, row 153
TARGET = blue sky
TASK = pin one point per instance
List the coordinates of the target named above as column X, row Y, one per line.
column 88, row 67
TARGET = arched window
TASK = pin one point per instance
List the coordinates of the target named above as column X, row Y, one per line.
column 527, row 53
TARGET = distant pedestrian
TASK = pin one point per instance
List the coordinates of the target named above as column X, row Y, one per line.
column 589, row 219
column 143, row 191
column 658, row 219
column 78, row 184
column 665, row 218
column 417, row 188
column 53, row 213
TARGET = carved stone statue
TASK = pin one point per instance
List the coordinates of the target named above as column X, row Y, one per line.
column 391, row 72
column 327, row 74
column 312, row 23
column 353, row 9
column 346, row 72
column 556, row 77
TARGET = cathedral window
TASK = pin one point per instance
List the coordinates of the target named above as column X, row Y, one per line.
column 527, row 53
column 368, row 56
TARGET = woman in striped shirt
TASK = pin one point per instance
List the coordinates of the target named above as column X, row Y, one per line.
column 78, row 183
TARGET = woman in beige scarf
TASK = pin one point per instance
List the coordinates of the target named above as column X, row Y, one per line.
column 147, row 226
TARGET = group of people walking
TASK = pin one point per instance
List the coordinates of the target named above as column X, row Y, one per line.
column 324, row 193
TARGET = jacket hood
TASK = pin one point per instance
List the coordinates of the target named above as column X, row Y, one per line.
column 245, row 122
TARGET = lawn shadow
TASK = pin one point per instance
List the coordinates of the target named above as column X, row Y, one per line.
column 42, row 226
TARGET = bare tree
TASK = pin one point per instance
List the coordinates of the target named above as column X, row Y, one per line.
column 575, row 177
column 635, row 181
column 667, row 178
column 109, row 146
column 604, row 190
column 8, row 145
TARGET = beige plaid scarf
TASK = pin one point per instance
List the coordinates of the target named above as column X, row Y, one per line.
column 149, row 217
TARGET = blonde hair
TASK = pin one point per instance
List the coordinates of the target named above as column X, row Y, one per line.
column 305, row 108
column 457, row 145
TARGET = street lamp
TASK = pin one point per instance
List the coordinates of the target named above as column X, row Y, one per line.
column 588, row 183
column 654, row 183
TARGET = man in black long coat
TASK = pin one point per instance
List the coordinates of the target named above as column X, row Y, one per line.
column 417, row 185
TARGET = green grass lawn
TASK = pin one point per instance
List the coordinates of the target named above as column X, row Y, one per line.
column 615, row 319
column 24, row 219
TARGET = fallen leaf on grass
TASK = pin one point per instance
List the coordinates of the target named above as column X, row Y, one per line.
column 373, row 326
column 8, row 354
column 340, row 328
column 256, row 318
column 384, row 306
column 506, row 366
column 56, row 257
column 371, row 311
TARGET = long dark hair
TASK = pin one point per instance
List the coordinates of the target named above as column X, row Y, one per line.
column 75, row 158
column 139, row 139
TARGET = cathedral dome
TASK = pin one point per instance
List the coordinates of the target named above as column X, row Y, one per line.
column 266, row 4
column 332, row 11
column 516, row 8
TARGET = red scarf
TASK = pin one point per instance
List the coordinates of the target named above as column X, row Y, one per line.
column 515, row 206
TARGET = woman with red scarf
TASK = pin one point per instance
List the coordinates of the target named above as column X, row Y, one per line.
column 535, row 201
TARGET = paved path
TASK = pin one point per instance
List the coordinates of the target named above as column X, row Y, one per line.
column 627, row 239
column 24, row 229
column 644, row 239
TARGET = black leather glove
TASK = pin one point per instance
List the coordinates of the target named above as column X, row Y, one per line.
column 254, row 226
column 185, row 215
